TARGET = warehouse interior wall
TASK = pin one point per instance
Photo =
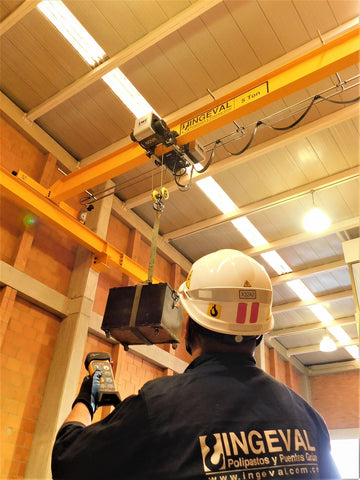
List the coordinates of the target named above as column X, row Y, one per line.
column 51, row 304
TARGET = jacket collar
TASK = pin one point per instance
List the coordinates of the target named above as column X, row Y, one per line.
column 228, row 360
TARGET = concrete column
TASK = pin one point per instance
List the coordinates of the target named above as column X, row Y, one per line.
column 118, row 355
column 273, row 363
column 175, row 276
column 133, row 250
column 65, row 367
column 8, row 294
column 48, row 173
column 305, row 388
column 290, row 375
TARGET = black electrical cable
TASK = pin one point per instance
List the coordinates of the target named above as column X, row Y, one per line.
column 303, row 115
column 183, row 171
column 180, row 171
column 288, row 127
column 249, row 142
column 208, row 163
column 342, row 102
column 177, row 176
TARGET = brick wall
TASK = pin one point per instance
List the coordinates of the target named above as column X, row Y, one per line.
column 337, row 399
column 282, row 371
column 18, row 153
column 25, row 361
column 52, row 257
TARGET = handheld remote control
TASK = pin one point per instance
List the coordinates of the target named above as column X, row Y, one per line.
column 108, row 395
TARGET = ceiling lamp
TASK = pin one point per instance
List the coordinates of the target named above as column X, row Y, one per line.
column 327, row 344
column 315, row 221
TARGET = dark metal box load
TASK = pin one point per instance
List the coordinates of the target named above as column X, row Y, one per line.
column 143, row 314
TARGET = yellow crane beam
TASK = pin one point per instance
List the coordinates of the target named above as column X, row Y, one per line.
column 306, row 70
column 104, row 254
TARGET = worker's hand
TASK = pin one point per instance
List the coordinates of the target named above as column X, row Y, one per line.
column 89, row 392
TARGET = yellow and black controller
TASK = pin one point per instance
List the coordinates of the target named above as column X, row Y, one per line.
column 108, row 394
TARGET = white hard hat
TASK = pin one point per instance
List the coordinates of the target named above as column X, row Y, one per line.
column 229, row 292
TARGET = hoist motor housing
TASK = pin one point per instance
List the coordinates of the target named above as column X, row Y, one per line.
column 149, row 131
column 143, row 314
column 192, row 153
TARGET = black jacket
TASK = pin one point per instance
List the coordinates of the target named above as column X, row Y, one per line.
column 223, row 419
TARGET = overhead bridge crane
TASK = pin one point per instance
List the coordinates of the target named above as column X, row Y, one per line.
column 334, row 56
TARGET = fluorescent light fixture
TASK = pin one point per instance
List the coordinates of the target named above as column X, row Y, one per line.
column 340, row 334
column 316, row 221
column 92, row 53
column 327, row 344
column 216, row 194
column 276, row 262
column 354, row 351
column 301, row 290
column 321, row 313
column 127, row 93
column 249, row 231
column 61, row 17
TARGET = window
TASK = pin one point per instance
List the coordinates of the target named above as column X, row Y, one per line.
column 346, row 455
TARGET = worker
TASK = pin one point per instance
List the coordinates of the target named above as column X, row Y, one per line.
column 223, row 418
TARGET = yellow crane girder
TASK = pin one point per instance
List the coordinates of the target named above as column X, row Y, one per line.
column 334, row 56
column 104, row 254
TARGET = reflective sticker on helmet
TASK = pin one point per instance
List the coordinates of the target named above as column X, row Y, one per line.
column 187, row 283
column 242, row 311
column 254, row 312
column 214, row 310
